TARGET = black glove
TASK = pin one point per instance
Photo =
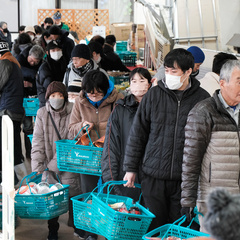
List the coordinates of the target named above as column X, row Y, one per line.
column 188, row 212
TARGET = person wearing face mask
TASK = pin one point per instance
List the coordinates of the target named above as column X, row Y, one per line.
column 5, row 35
column 56, row 112
column 96, row 52
column 62, row 38
column 156, row 139
column 52, row 69
column 81, row 64
column 93, row 106
column 31, row 32
column 118, row 128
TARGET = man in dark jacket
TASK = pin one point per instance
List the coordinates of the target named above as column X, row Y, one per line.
column 61, row 37
column 30, row 60
column 211, row 151
column 11, row 98
column 111, row 60
column 156, row 137
column 53, row 69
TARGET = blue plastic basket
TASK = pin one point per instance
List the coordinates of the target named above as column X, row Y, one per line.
column 128, row 58
column 31, row 106
column 121, row 46
column 118, row 225
column 42, row 206
column 173, row 230
column 82, row 212
column 79, row 158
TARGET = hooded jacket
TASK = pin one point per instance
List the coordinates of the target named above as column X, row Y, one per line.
column 211, row 152
column 157, row 134
column 118, row 128
column 83, row 111
column 43, row 152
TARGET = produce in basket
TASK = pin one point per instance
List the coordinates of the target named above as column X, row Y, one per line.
column 168, row 238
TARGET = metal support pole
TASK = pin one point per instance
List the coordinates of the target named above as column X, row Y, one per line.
column 187, row 23
column 95, row 4
column 215, row 23
column 201, row 22
column 57, row 4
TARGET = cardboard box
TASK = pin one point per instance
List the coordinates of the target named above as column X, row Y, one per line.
column 121, row 30
column 140, row 27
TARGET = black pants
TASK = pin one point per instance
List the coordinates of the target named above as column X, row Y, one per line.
column 88, row 183
column 27, row 129
column 162, row 197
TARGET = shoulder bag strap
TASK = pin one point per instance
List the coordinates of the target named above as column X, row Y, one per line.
column 54, row 125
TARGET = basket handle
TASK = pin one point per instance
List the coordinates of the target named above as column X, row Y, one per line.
column 111, row 183
column 86, row 126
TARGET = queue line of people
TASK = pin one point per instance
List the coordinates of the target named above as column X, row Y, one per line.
column 168, row 115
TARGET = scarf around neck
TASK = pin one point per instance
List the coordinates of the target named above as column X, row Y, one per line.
column 81, row 71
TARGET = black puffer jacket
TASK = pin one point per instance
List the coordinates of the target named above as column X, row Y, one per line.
column 211, row 152
column 157, row 133
column 118, row 128
column 49, row 71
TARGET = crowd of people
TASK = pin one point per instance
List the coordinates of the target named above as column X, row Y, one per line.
column 175, row 135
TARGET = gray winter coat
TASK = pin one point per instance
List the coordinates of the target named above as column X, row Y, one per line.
column 44, row 147
column 211, row 152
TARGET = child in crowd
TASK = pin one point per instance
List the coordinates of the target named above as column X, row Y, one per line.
column 93, row 107
column 118, row 128
column 51, row 125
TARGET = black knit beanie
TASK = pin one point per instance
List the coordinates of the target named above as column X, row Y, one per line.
column 81, row 51
column 56, row 87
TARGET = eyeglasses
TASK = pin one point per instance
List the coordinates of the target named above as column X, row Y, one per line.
column 95, row 93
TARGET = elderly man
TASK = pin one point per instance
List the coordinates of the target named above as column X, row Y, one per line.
column 211, row 151
column 81, row 64
column 30, row 60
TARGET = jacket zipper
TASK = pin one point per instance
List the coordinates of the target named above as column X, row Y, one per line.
column 209, row 180
column 97, row 121
column 175, row 135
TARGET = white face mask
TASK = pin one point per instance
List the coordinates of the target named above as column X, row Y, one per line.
column 56, row 55
column 38, row 36
column 98, row 60
column 72, row 100
column 56, row 103
column 48, row 41
column 139, row 89
column 32, row 37
column 174, row 82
